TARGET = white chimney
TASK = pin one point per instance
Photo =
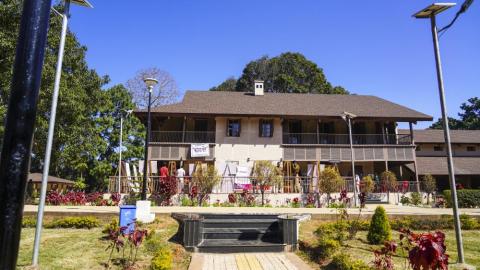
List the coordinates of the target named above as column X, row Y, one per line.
column 258, row 88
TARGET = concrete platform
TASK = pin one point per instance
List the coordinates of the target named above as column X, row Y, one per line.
column 392, row 210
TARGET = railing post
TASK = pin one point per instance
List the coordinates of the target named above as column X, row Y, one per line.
column 183, row 128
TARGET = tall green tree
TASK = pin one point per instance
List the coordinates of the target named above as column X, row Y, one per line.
column 469, row 117
column 287, row 73
column 85, row 143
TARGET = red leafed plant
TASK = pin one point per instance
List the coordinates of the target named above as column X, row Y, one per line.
column 383, row 257
column 427, row 250
column 120, row 238
column 232, row 198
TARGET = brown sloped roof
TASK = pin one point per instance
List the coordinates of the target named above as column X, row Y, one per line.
column 438, row 165
column 37, row 178
column 436, row 135
column 279, row 104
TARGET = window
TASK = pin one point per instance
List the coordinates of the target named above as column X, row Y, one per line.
column 471, row 148
column 418, row 148
column 438, row 148
column 265, row 128
column 233, row 128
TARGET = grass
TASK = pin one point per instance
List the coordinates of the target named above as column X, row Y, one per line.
column 84, row 249
column 359, row 248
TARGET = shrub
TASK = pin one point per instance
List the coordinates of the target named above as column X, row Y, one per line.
column 344, row 262
column 389, row 179
column 404, row 200
column 112, row 226
column 29, row 222
column 327, row 247
column 74, row 222
column 427, row 250
column 379, row 230
column 467, row 198
column 166, row 189
column 330, row 181
column 468, row 222
column 383, row 257
column 367, row 185
column 162, row 259
column 416, row 198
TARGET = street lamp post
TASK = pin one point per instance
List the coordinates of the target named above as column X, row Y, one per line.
column 347, row 117
column 429, row 13
column 128, row 112
column 51, row 125
column 150, row 82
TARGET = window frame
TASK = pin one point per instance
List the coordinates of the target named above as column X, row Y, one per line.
column 261, row 122
column 471, row 148
column 231, row 129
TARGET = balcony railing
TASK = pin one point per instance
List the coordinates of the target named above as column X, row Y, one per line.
column 232, row 184
column 327, row 138
column 183, row 137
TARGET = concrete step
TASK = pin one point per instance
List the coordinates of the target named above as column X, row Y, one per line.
column 230, row 246
column 241, row 233
column 241, row 223
column 240, row 216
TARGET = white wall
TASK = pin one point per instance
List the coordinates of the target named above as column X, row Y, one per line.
column 249, row 144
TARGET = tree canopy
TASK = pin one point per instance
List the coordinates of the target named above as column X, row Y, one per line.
column 469, row 117
column 287, row 73
column 86, row 138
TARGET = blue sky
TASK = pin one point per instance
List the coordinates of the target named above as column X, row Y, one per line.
column 368, row 47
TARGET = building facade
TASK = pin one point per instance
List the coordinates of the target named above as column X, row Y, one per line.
column 431, row 156
column 240, row 128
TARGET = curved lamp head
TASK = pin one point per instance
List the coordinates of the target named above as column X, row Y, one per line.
column 150, row 82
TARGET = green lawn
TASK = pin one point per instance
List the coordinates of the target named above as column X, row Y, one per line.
column 83, row 248
column 359, row 248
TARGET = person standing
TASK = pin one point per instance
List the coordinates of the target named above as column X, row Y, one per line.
column 164, row 171
column 180, row 178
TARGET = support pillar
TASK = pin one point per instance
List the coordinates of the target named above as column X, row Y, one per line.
column 184, row 128
column 414, row 156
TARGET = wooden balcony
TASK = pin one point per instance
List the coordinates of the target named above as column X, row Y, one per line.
column 358, row 139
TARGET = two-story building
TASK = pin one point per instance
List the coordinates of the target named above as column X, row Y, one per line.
column 239, row 128
column 431, row 156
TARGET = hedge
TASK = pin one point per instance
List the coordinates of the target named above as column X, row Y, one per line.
column 467, row 198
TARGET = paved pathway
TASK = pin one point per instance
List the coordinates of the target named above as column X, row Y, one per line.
column 247, row 261
column 391, row 210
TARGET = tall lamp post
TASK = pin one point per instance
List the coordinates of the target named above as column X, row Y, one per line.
column 429, row 13
column 347, row 117
column 51, row 124
column 150, row 82
column 128, row 112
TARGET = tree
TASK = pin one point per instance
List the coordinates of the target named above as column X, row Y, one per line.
column 205, row 180
column 266, row 175
column 286, row 73
column 228, row 85
column 330, row 181
column 389, row 180
column 165, row 92
column 469, row 117
column 452, row 123
column 367, row 184
column 429, row 185
column 85, row 144
column 379, row 230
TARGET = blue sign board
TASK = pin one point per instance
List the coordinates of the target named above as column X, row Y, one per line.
column 127, row 217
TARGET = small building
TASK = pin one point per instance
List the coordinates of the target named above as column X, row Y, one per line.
column 431, row 156
column 54, row 183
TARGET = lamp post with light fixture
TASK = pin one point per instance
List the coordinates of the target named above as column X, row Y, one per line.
column 347, row 117
column 51, row 124
column 150, row 82
column 429, row 13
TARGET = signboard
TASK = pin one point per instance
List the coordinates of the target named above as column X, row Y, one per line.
column 199, row 150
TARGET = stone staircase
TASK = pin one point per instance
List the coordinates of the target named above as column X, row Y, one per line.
column 227, row 233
